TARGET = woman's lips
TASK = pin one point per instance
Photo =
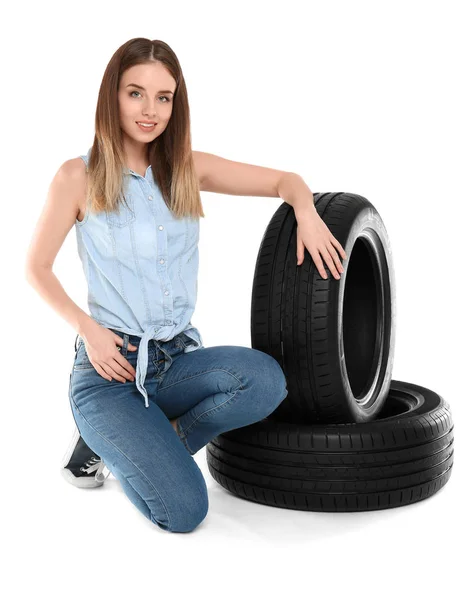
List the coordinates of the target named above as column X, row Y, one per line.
column 142, row 128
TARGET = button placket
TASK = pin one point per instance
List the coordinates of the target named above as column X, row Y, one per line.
column 165, row 280
column 162, row 247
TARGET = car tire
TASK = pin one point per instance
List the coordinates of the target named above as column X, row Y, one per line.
column 334, row 339
column 403, row 456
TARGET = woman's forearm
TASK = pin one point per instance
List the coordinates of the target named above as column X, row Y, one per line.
column 45, row 282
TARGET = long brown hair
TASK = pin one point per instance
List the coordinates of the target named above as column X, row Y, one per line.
column 170, row 154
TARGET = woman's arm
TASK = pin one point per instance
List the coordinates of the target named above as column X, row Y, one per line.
column 57, row 219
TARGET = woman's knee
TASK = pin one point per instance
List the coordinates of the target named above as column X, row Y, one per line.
column 271, row 372
column 188, row 516
column 264, row 375
column 186, row 505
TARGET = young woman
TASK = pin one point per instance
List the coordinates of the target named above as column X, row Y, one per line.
column 145, row 393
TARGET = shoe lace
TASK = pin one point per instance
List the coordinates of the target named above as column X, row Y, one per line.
column 96, row 464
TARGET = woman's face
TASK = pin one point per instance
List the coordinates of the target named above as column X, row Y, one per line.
column 153, row 103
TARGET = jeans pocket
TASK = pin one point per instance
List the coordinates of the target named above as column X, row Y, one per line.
column 82, row 360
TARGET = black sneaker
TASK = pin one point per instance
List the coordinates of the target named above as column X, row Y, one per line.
column 81, row 466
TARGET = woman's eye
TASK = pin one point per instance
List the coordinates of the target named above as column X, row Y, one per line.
column 134, row 92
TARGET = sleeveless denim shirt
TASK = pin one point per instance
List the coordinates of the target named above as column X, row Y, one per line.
column 141, row 267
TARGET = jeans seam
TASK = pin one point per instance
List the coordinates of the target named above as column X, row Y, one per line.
column 182, row 437
column 127, row 457
column 201, row 373
column 209, row 411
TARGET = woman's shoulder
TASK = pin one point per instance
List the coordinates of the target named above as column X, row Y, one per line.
column 82, row 161
column 75, row 169
column 74, row 177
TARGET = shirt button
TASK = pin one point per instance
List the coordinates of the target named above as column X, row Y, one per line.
column 160, row 227
column 161, row 261
column 150, row 197
column 166, row 293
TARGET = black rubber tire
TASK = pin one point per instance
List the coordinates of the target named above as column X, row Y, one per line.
column 403, row 456
column 334, row 339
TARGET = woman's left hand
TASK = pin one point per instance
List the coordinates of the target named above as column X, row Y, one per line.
column 313, row 234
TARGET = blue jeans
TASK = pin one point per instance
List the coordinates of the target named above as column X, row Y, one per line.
column 209, row 391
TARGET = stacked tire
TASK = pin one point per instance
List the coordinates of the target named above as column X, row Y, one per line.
column 347, row 437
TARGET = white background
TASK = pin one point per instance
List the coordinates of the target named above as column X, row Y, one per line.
column 362, row 97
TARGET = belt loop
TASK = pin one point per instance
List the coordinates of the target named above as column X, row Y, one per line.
column 124, row 349
column 163, row 355
column 75, row 343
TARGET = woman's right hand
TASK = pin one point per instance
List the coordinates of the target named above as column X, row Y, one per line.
column 102, row 347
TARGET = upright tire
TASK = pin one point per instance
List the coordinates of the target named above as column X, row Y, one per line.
column 334, row 339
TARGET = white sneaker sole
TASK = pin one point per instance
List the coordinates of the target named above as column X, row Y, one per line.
column 81, row 482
